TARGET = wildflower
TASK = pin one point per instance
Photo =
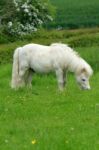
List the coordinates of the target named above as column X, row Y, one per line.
column 66, row 142
column 33, row 141
column 72, row 129
column 6, row 141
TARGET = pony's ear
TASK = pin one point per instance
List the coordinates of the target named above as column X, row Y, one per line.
column 83, row 70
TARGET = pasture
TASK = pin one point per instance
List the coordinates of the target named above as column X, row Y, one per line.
column 75, row 14
column 42, row 118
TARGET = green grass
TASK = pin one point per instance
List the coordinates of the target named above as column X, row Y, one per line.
column 75, row 13
column 57, row 121
column 66, row 120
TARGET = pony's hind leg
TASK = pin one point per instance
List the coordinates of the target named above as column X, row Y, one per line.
column 65, row 77
column 29, row 76
column 22, row 74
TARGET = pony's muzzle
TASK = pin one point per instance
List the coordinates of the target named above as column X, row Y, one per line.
column 86, row 88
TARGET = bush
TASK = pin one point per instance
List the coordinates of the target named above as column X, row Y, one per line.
column 3, row 39
column 28, row 16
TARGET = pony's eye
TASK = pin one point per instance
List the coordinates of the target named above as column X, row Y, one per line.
column 83, row 80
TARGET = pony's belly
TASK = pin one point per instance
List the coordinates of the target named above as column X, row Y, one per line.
column 42, row 68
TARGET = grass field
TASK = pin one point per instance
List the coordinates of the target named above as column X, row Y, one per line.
column 46, row 117
column 75, row 13
column 42, row 118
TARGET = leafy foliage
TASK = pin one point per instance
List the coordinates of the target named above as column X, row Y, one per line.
column 25, row 16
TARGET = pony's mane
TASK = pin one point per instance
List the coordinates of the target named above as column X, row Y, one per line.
column 87, row 67
column 65, row 46
column 90, row 71
column 59, row 44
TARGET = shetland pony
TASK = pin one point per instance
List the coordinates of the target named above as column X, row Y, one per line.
column 58, row 58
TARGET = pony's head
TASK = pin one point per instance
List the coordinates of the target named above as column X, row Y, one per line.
column 83, row 76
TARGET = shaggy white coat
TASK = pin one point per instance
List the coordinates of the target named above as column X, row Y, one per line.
column 58, row 58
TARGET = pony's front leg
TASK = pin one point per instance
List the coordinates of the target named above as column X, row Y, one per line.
column 65, row 77
column 59, row 75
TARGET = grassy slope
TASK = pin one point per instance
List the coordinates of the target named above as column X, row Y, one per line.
column 88, row 39
column 59, row 121
column 77, row 13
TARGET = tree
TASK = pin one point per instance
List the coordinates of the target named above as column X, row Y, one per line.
column 25, row 16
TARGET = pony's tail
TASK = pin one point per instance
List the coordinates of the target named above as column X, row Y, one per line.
column 15, row 69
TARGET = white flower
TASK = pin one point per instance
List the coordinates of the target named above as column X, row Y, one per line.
column 26, row 10
column 16, row 4
column 35, row 29
column 24, row 5
column 29, row 14
column 18, row 9
column 50, row 18
column 10, row 24
column 40, row 21
column 34, row 14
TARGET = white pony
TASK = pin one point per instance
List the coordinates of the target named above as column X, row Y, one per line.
column 58, row 58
